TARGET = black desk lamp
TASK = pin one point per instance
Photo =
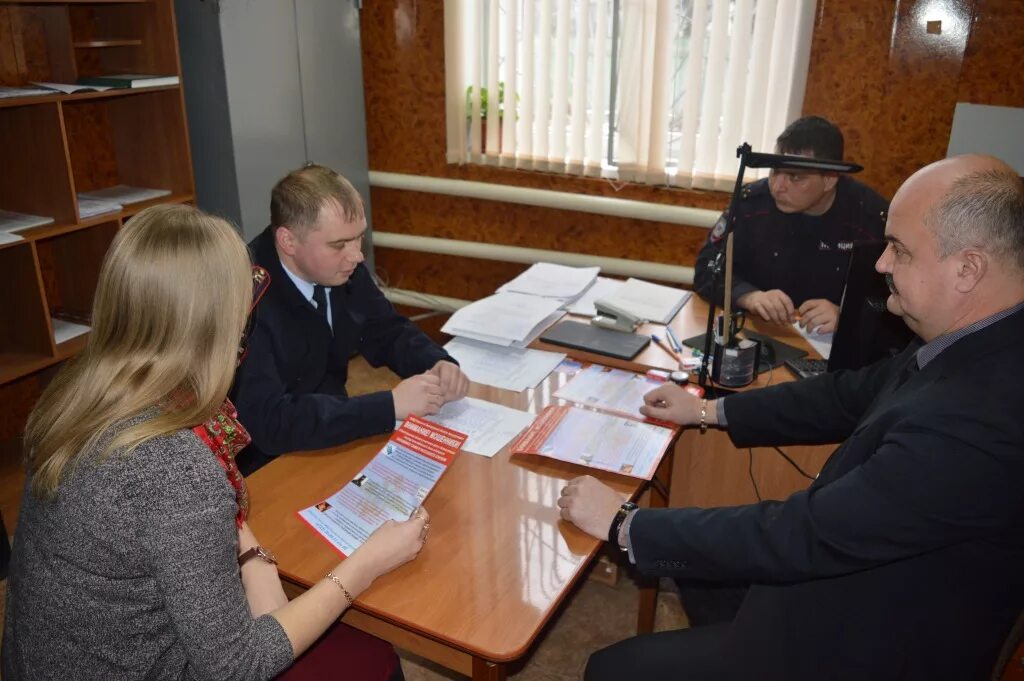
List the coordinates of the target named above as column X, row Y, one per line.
column 750, row 159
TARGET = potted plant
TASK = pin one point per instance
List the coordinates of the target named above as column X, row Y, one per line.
column 483, row 112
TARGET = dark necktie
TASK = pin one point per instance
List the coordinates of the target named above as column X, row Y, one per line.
column 320, row 298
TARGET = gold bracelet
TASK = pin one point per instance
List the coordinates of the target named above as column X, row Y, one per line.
column 703, row 416
column 334, row 578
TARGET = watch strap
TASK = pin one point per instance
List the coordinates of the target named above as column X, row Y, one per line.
column 620, row 517
column 256, row 552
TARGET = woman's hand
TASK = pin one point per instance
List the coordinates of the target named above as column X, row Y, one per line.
column 393, row 544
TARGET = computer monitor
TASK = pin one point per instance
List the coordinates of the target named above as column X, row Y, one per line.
column 866, row 331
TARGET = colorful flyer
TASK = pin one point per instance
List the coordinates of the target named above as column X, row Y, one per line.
column 597, row 440
column 390, row 487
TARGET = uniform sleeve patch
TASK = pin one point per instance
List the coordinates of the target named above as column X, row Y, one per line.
column 718, row 231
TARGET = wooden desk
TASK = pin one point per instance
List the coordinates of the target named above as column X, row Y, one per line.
column 708, row 470
column 497, row 564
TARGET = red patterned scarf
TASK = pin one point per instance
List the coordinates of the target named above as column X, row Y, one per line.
column 226, row 437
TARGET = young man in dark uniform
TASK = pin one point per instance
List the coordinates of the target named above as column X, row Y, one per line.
column 321, row 308
column 794, row 234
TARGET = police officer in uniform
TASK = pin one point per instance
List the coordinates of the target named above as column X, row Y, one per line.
column 794, row 234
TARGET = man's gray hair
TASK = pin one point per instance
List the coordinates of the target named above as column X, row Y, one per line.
column 983, row 210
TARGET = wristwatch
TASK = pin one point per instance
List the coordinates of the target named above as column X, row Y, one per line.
column 620, row 517
column 254, row 552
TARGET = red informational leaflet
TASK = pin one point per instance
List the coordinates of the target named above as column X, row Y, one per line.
column 390, row 487
column 597, row 440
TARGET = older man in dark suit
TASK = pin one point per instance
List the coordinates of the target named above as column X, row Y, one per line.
column 905, row 558
column 323, row 307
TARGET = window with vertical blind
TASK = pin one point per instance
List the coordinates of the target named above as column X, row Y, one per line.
column 651, row 91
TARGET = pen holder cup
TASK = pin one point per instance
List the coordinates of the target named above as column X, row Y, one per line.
column 736, row 365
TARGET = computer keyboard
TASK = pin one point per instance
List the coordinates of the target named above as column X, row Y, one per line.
column 807, row 368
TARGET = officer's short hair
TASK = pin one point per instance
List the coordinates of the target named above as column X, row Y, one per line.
column 298, row 198
column 812, row 133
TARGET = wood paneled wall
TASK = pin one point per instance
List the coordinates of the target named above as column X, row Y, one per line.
column 876, row 69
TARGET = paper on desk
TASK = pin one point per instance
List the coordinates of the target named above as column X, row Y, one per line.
column 508, row 368
column 602, row 287
column 596, row 440
column 510, row 319
column 821, row 342
column 552, row 281
column 644, row 300
column 611, row 390
column 9, row 238
column 489, row 426
column 391, row 487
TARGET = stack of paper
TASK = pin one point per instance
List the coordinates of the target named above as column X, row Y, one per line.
column 603, row 287
column 88, row 208
column 508, row 319
column 123, row 194
column 508, row 368
column 7, row 92
column 15, row 222
column 644, row 300
column 553, row 281
column 64, row 330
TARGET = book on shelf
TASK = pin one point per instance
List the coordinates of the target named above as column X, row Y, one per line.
column 129, row 80
column 88, row 208
column 11, row 221
column 7, row 92
column 70, row 88
column 123, row 194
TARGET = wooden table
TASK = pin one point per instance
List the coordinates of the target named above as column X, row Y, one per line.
column 498, row 563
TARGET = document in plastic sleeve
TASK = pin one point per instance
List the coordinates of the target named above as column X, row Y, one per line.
column 390, row 487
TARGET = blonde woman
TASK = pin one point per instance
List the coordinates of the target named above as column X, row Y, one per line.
column 127, row 554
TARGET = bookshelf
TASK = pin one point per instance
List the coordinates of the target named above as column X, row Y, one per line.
column 56, row 146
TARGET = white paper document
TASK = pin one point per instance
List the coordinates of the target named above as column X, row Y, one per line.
column 552, row 281
column 9, row 238
column 509, row 319
column 70, row 88
column 13, row 222
column 489, row 426
column 88, row 208
column 508, row 368
column 123, row 194
column 603, row 287
column 821, row 342
column 612, row 390
column 64, row 330
column 644, row 300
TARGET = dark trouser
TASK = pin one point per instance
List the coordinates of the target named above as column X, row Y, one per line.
column 684, row 654
column 710, row 603
column 346, row 653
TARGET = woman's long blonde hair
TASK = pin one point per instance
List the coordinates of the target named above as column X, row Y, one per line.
column 170, row 309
